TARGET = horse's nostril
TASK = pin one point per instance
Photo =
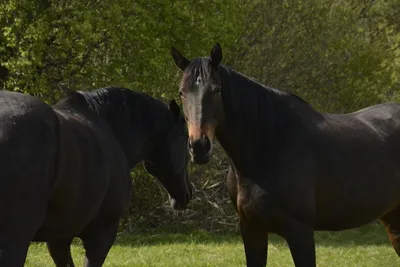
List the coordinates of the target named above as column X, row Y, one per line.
column 200, row 147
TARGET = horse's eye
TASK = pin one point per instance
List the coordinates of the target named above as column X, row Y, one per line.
column 181, row 94
column 217, row 90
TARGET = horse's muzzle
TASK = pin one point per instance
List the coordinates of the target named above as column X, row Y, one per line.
column 200, row 150
column 183, row 202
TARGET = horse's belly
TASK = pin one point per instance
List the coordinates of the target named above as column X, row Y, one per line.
column 55, row 231
column 73, row 205
column 334, row 224
column 66, row 222
column 346, row 211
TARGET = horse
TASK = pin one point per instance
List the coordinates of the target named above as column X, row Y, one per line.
column 65, row 169
column 293, row 170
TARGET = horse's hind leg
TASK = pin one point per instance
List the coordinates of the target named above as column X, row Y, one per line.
column 22, row 212
column 60, row 251
column 18, row 225
column 98, row 241
column 13, row 253
column 392, row 224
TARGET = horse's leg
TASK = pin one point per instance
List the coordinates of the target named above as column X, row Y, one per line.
column 392, row 224
column 13, row 252
column 255, row 238
column 18, row 226
column 97, row 241
column 22, row 212
column 300, row 238
column 60, row 251
column 255, row 241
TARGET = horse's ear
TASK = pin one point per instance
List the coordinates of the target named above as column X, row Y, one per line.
column 174, row 107
column 180, row 60
column 216, row 55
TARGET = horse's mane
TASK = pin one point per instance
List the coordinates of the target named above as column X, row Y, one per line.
column 247, row 97
column 114, row 102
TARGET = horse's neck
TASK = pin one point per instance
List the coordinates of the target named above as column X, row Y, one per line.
column 237, row 145
column 256, row 142
column 249, row 141
column 238, row 148
column 136, row 136
column 138, row 142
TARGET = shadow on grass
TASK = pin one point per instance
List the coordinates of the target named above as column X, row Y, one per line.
column 372, row 234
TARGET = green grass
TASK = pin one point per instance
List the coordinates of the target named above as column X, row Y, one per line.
column 366, row 247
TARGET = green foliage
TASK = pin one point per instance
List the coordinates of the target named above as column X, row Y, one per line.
column 336, row 54
column 81, row 45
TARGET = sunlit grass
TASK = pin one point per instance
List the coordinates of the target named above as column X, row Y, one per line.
column 366, row 247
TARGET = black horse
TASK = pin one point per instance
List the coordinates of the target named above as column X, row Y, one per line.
column 65, row 170
column 293, row 170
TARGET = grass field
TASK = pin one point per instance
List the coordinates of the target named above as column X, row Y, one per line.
column 364, row 247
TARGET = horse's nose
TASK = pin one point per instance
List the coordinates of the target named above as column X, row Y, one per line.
column 206, row 143
column 200, row 150
column 203, row 144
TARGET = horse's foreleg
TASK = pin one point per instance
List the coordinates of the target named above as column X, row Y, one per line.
column 255, row 241
column 300, row 238
column 60, row 251
column 98, row 241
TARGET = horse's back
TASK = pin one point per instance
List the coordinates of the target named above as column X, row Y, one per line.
column 385, row 118
column 20, row 113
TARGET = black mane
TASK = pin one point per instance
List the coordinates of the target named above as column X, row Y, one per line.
column 113, row 102
column 254, row 106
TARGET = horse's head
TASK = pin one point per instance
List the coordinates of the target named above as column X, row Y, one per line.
column 168, row 162
column 200, row 91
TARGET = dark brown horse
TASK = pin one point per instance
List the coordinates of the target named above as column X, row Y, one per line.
column 65, row 170
column 293, row 169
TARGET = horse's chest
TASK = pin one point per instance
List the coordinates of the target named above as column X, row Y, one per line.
column 245, row 203
column 250, row 201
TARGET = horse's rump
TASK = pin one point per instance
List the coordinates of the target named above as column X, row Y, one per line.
column 28, row 149
column 81, row 180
